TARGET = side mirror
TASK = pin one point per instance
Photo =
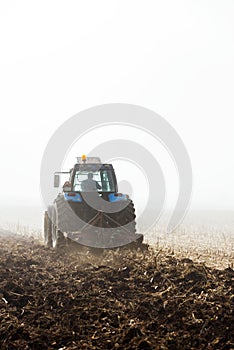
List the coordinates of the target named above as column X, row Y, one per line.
column 67, row 187
column 56, row 180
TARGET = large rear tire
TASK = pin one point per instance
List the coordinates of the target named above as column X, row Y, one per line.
column 58, row 239
column 67, row 219
column 47, row 230
column 127, row 217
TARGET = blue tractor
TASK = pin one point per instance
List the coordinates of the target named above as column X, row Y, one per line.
column 90, row 211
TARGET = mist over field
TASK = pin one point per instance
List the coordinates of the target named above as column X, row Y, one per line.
column 200, row 230
column 32, row 217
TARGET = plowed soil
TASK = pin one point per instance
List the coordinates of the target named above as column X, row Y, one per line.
column 118, row 300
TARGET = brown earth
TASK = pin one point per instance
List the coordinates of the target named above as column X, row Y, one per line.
column 119, row 300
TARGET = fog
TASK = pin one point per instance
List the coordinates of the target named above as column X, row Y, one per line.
column 176, row 58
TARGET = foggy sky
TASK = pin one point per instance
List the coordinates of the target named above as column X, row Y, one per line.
column 174, row 57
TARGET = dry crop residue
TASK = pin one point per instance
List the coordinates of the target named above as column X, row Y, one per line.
column 119, row 300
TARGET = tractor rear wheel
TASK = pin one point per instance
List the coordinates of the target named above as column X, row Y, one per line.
column 53, row 237
column 128, row 217
column 47, row 230
column 58, row 239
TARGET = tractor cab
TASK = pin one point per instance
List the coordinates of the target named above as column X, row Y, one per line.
column 102, row 177
column 89, row 175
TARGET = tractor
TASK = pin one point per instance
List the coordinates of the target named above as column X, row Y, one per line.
column 89, row 210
